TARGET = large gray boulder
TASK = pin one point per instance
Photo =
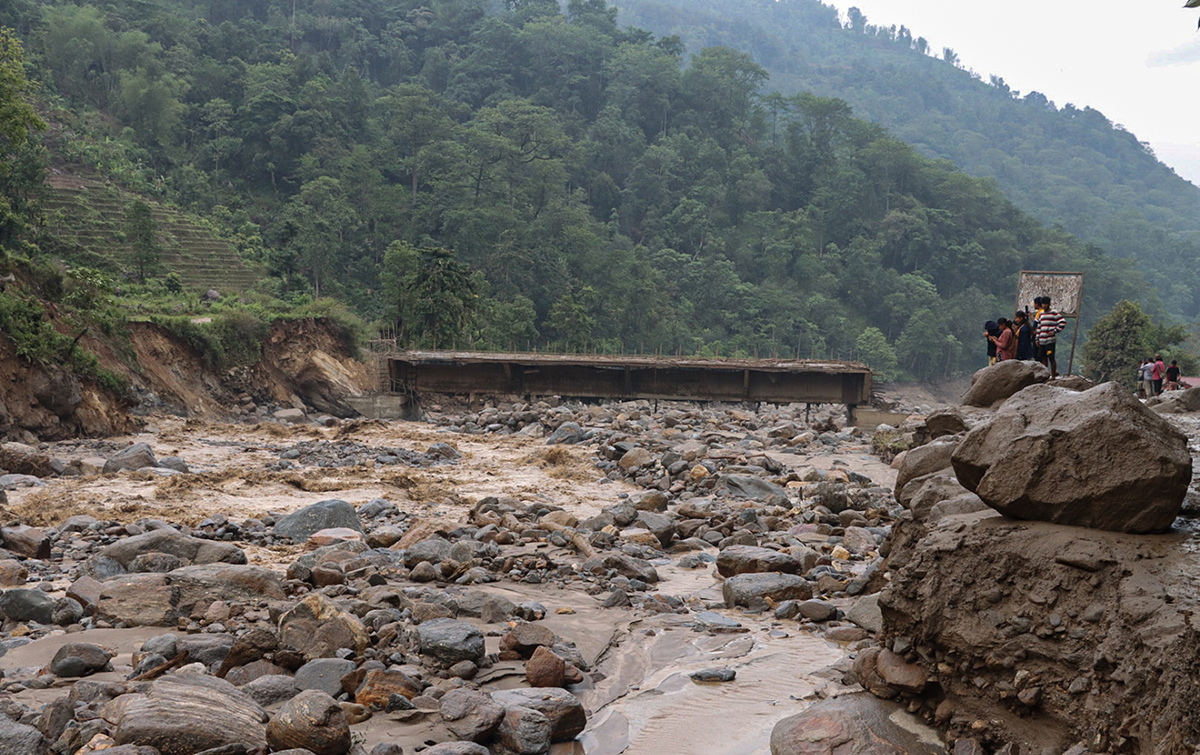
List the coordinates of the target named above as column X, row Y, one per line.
column 563, row 710
column 192, row 550
column 24, row 604
column 748, row 486
column 1093, row 459
column 183, row 714
column 753, row 590
column 450, row 641
column 322, row 515
column 994, row 384
column 749, row 559
column 19, row 739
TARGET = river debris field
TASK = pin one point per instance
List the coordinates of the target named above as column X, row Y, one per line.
column 546, row 577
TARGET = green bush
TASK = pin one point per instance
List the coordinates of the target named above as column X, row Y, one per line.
column 24, row 322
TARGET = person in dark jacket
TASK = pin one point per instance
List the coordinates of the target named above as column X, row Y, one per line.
column 991, row 331
column 1024, row 335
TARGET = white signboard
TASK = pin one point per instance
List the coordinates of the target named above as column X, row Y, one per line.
column 1064, row 289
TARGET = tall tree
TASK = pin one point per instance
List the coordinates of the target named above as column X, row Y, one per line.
column 22, row 161
column 141, row 230
column 317, row 225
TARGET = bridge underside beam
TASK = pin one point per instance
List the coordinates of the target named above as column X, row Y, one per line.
column 641, row 378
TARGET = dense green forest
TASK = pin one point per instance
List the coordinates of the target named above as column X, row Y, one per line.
column 1068, row 166
column 521, row 175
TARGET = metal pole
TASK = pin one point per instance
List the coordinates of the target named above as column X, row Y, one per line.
column 1078, row 315
column 1074, row 338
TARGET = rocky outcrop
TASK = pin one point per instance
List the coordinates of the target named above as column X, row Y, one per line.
column 1093, row 459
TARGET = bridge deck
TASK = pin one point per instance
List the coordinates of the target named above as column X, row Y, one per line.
column 631, row 377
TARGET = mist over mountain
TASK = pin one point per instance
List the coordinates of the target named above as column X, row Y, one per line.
column 1067, row 166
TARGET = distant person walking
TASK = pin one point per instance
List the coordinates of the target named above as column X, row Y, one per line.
column 1172, row 375
column 1049, row 324
column 1157, row 374
column 1022, row 335
column 1146, row 373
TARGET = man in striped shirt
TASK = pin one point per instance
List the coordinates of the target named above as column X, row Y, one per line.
column 1048, row 324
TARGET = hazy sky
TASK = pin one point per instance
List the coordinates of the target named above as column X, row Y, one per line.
column 1136, row 61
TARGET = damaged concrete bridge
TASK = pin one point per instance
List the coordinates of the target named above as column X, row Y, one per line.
column 404, row 375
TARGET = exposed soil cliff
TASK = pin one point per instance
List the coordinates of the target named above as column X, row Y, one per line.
column 305, row 362
column 1043, row 635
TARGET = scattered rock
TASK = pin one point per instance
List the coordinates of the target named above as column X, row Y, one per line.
column 449, row 641
column 562, row 709
column 753, row 590
column 312, row 720
column 300, row 525
column 470, row 715
column 746, row 559
column 317, row 628
column 136, row 456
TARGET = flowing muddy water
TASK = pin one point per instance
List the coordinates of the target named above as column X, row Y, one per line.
column 639, row 695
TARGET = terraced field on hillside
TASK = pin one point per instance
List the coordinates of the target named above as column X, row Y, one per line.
column 90, row 217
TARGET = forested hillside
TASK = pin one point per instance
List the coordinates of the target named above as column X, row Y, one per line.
column 523, row 176
column 1067, row 165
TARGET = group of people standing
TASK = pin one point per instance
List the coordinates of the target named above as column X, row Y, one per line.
column 1026, row 337
column 1152, row 373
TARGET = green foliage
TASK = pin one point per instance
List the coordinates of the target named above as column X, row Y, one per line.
column 141, row 230
column 523, row 176
column 435, row 294
column 509, row 324
column 1120, row 340
column 22, row 160
column 873, row 348
column 1068, row 165
column 225, row 341
column 24, row 322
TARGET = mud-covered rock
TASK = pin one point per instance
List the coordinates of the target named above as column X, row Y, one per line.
column 28, row 542
column 136, row 456
column 1093, row 459
column 192, row 550
column 854, row 725
column 924, row 460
